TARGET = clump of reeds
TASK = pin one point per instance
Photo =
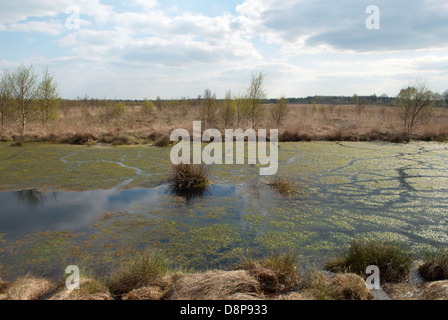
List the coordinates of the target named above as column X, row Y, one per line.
column 393, row 262
column 188, row 177
column 285, row 185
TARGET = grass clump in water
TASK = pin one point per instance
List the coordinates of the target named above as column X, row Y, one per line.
column 286, row 185
column 435, row 266
column 186, row 178
column 393, row 262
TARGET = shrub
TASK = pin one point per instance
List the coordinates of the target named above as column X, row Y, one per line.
column 163, row 141
column 391, row 259
column 147, row 107
column 435, row 266
column 80, row 139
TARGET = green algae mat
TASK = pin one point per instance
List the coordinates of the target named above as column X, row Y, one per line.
column 95, row 205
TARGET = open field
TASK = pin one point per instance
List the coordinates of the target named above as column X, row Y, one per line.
column 81, row 123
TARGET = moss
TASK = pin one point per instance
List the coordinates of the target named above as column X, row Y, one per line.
column 274, row 240
column 208, row 246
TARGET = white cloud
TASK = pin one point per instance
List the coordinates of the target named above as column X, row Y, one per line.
column 304, row 47
column 50, row 27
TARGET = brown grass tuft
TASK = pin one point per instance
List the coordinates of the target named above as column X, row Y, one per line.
column 346, row 286
column 437, row 290
column 276, row 274
column 188, row 177
column 215, row 285
column 144, row 293
column 89, row 289
column 26, row 288
column 285, row 185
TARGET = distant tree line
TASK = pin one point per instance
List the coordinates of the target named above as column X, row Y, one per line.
column 441, row 100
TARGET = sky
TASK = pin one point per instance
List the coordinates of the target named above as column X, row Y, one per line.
column 136, row 49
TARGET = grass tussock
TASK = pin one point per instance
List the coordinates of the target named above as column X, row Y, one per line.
column 437, row 290
column 435, row 266
column 144, row 293
column 216, row 285
column 188, row 177
column 89, row 289
column 147, row 269
column 347, row 286
column 277, row 273
column 393, row 261
column 285, row 185
column 26, row 288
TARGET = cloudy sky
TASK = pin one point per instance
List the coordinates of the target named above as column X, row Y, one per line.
column 172, row 49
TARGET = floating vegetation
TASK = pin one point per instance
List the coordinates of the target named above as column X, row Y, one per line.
column 375, row 190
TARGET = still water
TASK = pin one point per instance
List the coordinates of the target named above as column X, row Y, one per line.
column 346, row 190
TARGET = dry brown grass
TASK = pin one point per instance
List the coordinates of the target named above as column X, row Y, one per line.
column 276, row 274
column 403, row 291
column 89, row 289
column 215, row 285
column 26, row 288
column 347, row 286
column 303, row 122
column 145, row 293
column 437, row 290
column 286, row 185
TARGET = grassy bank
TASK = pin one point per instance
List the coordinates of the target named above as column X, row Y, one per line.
column 276, row 277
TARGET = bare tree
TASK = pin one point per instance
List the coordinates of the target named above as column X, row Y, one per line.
column 255, row 96
column 414, row 104
column 23, row 89
column 48, row 97
column 208, row 107
column 5, row 97
column 228, row 109
column 279, row 111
